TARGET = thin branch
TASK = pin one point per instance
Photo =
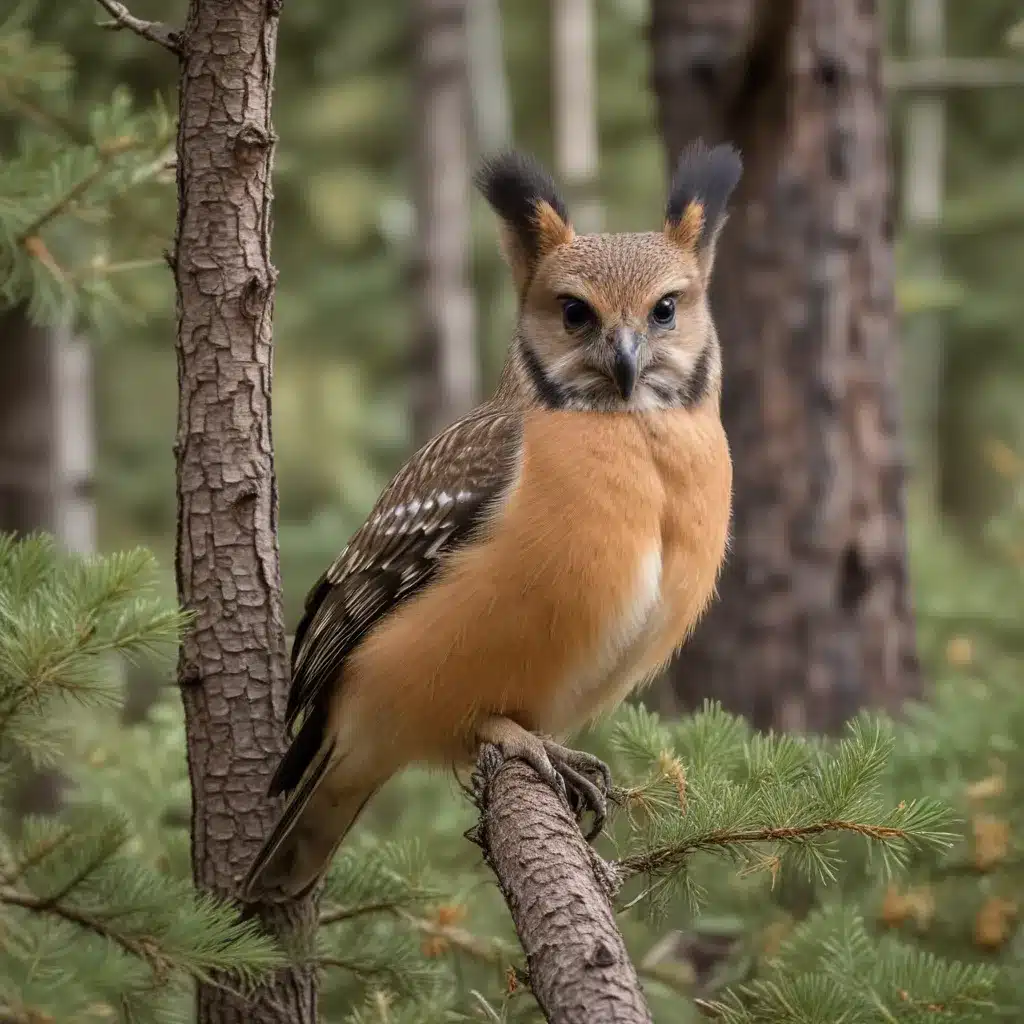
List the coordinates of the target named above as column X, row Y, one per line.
column 95, row 925
column 48, row 119
column 337, row 914
column 664, row 857
column 154, row 31
column 558, row 892
column 104, row 155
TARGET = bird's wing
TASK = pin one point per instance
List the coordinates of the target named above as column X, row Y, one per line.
column 436, row 503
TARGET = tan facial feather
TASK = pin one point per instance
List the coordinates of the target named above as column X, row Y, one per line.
column 552, row 231
column 687, row 230
column 516, row 256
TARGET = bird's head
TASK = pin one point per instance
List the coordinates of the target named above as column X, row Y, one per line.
column 613, row 321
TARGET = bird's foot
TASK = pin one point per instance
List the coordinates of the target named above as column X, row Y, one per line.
column 565, row 771
column 587, row 779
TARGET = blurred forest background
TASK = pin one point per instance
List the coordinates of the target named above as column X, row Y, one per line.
column 344, row 241
column 88, row 389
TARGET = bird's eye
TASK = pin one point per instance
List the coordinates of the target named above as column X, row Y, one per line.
column 576, row 313
column 664, row 312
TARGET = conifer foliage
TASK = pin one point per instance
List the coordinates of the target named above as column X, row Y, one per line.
column 91, row 931
column 65, row 179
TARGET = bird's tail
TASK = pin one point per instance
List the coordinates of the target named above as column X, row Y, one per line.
column 299, row 849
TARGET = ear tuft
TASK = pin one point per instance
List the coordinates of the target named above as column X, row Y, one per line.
column 534, row 217
column 700, row 189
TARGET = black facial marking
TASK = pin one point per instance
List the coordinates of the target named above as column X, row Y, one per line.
column 550, row 393
column 690, row 392
column 695, row 389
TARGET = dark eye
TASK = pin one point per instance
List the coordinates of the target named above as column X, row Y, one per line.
column 576, row 313
column 664, row 312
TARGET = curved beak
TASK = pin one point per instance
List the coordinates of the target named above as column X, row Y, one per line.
column 625, row 348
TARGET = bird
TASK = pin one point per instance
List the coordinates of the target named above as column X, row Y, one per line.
column 543, row 557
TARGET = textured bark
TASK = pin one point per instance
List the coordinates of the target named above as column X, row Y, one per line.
column 233, row 668
column 446, row 381
column 814, row 617
column 557, row 890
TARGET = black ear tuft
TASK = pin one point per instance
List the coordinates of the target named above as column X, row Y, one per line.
column 706, row 177
column 514, row 184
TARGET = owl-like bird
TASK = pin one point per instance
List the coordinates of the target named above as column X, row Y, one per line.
column 541, row 558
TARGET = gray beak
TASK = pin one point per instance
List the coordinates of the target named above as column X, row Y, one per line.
column 625, row 348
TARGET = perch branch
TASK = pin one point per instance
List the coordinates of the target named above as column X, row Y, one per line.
column 558, row 892
column 154, row 31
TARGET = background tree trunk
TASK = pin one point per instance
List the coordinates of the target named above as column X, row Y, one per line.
column 814, row 616
column 233, row 668
column 446, row 380
column 573, row 73
column 29, row 482
column 46, row 465
column 28, row 425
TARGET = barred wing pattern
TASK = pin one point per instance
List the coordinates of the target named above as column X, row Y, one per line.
column 436, row 503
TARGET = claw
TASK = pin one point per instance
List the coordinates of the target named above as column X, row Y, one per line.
column 564, row 770
column 574, row 766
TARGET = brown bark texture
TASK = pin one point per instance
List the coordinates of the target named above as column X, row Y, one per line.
column 446, row 377
column 558, row 891
column 814, row 616
column 233, row 667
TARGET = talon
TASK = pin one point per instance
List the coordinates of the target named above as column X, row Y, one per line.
column 574, row 766
column 566, row 771
column 588, row 797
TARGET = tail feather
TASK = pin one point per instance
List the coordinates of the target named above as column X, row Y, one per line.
column 299, row 849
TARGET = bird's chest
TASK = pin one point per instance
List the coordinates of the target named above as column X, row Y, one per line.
column 642, row 539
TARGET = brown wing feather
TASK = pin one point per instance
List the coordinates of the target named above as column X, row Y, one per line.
column 436, row 503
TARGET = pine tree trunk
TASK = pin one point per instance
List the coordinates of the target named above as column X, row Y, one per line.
column 446, row 380
column 29, row 482
column 814, row 616
column 233, row 668
column 573, row 72
column 28, row 425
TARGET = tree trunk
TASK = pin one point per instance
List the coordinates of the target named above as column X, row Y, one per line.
column 814, row 615
column 446, row 379
column 76, row 508
column 488, row 82
column 233, row 669
column 28, row 425
column 924, row 148
column 573, row 66
column 29, row 484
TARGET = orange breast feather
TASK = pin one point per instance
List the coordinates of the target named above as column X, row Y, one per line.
column 606, row 552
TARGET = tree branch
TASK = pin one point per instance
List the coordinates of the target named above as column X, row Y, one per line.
column 154, row 31
column 666, row 858
column 87, row 922
column 558, row 892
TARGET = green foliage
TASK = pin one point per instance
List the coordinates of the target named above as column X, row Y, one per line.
column 832, row 968
column 759, row 800
column 92, row 930
column 62, row 181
